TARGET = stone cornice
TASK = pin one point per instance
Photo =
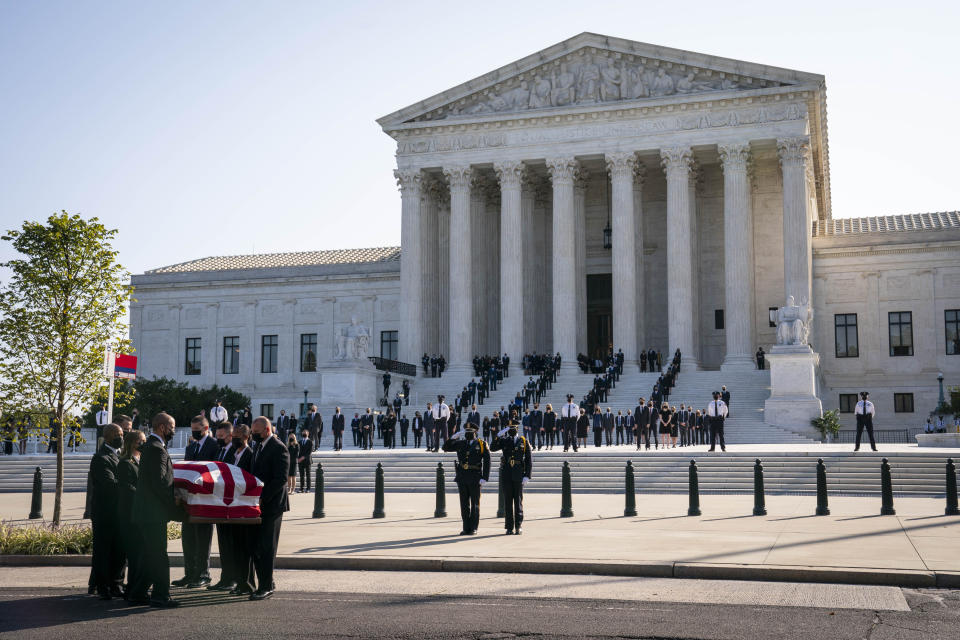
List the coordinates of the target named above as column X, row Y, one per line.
column 867, row 251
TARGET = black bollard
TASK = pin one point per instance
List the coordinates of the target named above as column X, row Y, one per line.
column 886, row 489
column 631, row 507
column 822, row 508
column 566, row 503
column 951, row 489
column 759, row 502
column 500, row 507
column 441, row 509
column 318, row 496
column 694, row 490
column 36, row 500
column 378, row 495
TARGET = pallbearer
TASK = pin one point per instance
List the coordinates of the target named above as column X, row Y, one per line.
column 515, row 467
column 473, row 471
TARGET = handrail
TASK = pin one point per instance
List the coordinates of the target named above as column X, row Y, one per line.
column 394, row 366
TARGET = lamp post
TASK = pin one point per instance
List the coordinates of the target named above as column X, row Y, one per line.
column 942, row 401
column 304, row 410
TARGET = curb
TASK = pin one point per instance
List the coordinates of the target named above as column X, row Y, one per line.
column 686, row 570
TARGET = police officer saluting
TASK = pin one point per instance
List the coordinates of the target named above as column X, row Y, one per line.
column 473, row 471
column 865, row 413
column 515, row 467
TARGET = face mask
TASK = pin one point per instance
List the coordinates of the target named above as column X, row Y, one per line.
column 237, row 443
column 168, row 436
column 196, row 434
column 512, row 431
column 221, row 442
column 469, row 435
column 116, row 443
column 258, row 437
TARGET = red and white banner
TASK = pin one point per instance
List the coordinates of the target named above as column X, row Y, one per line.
column 217, row 490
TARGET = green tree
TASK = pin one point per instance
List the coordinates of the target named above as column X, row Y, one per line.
column 62, row 307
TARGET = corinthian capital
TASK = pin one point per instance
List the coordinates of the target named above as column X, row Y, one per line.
column 793, row 151
column 563, row 170
column 509, row 173
column 735, row 156
column 676, row 159
column 459, row 177
column 639, row 175
column 409, row 181
column 621, row 165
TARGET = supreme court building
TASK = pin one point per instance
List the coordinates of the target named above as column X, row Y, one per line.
column 598, row 193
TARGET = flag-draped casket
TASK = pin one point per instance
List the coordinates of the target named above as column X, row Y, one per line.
column 218, row 492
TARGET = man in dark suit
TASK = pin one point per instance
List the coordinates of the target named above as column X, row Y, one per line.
column 271, row 462
column 404, row 427
column 305, row 460
column 725, row 396
column 366, row 429
column 283, row 425
column 225, row 536
column 515, row 467
column 355, row 429
column 197, row 537
column 473, row 417
column 153, row 507
column 312, row 422
column 337, row 426
column 472, row 472
column 104, row 490
column 241, row 547
column 536, row 426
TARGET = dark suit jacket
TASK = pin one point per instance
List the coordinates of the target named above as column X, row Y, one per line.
column 474, row 417
column 338, row 421
column 305, row 451
column 128, row 470
column 271, row 464
column 104, row 484
column 245, row 461
column 154, row 499
column 206, row 453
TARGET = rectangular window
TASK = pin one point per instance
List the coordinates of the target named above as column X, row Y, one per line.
column 266, row 410
column 901, row 333
column 308, row 352
column 268, row 354
column 388, row 345
column 903, row 403
column 772, row 315
column 845, row 331
column 192, row 360
column 718, row 319
column 952, row 323
column 231, row 354
column 848, row 402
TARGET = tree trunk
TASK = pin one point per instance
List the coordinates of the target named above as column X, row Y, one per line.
column 61, row 443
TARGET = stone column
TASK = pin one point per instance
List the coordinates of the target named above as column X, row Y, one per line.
column 510, row 175
column 794, row 156
column 737, row 256
column 411, row 265
column 430, row 263
column 533, row 260
column 580, row 216
column 461, row 281
column 562, row 173
column 640, row 175
column 621, row 167
column 676, row 163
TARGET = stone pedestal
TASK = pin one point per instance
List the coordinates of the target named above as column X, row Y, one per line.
column 352, row 385
column 793, row 401
column 942, row 440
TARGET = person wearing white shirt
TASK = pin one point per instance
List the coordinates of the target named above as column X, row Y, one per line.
column 716, row 414
column 441, row 414
column 864, row 412
column 568, row 419
column 103, row 419
column 218, row 413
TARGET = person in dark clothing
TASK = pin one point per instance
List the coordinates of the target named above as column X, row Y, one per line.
column 515, row 468
column 271, row 460
column 197, row 537
column 107, row 550
column 294, row 448
column 472, row 472
column 241, row 546
column 304, row 460
column 128, row 471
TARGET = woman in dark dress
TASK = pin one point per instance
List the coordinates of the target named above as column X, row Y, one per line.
column 550, row 426
column 583, row 427
column 128, row 471
column 666, row 418
column 294, row 450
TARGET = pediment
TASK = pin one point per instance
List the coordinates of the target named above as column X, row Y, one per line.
column 591, row 69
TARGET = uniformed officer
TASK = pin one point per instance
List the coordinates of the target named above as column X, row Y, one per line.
column 569, row 414
column 441, row 415
column 716, row 413
column 473, row 471
column 515, row 466
column 865, row 412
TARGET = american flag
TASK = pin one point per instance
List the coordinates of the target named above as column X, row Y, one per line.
column 217, row 491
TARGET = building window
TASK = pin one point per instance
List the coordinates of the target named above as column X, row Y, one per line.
column 308, row 352
column 903, row 403
column 848, row 402
column 718, row 319
column 772, row 315
column 268, row 354
column 952, row 322
column 192, row 360
column 901, row 333
column 266, row 410
column 388, row 344
column 231, row 354
column 845, row 330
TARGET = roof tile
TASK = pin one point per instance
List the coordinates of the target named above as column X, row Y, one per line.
column 275, row 260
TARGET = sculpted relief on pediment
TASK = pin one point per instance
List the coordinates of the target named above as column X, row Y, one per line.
column 593, row 76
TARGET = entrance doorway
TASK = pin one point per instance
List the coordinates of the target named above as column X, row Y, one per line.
column 599, row 315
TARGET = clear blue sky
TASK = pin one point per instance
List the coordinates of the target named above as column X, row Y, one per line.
column 214, row 127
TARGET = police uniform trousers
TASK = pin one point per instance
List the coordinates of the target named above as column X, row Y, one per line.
column 468, row 484
column 716, row 431
column 196, row 551
column 569, row 433
column 512, row 497
column 865, row 421
column 439, row 428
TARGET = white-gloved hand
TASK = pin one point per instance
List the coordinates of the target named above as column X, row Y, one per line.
column 458, row 435
column 525, row 481
column 482, row 482
column 503, row 432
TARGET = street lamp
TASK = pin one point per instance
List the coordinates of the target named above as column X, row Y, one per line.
column 304, row 410
column 940, row 380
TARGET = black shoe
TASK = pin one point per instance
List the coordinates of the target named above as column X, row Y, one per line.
column 509, row 532
column 91, row 590
column 116, row 592
column 261, row 595
column 465, row 532
column 241, row 591
column 518, row 532
column 711, row 449
column 856, row 448
column 874, row 448
column 169, row 603
column 196, row 584
column 138, row 602
column 182, row 582
column 473, row 532
column 222, row 586
column 105, row 595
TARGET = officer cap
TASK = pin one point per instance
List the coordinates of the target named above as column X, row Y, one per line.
column 469, row 427
column 569, row 396
column 716, row 393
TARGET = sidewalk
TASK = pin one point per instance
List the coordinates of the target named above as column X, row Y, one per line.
column 917, row 547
